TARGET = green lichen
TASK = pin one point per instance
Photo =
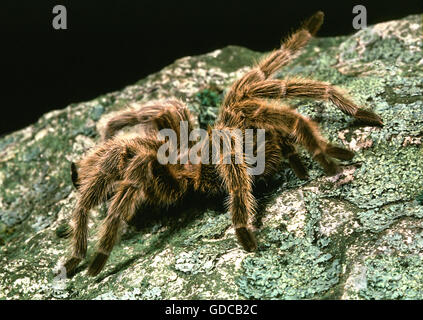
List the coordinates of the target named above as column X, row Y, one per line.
column 292, row 267
column 301, row 269
column 232, row 58
column 207, row 106
column 389, row 173
column 393, row 277
column 380, row 219
column 200, row 260
column 212, row 226
column 96, row 112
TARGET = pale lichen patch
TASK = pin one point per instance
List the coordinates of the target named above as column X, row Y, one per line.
column 358, row 139
column 334, row 217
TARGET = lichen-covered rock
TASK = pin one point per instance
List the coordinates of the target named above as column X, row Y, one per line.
column 358, row 235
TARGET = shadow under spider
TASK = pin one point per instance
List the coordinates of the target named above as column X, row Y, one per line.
column 194, row 204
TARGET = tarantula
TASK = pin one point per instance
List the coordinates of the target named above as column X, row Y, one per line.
column 127, row 170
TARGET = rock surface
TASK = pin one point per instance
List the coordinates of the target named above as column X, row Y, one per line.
column 358, row 235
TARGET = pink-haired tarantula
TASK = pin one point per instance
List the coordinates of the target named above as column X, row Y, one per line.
column 127, row 168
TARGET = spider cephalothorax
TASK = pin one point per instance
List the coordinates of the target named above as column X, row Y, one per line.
column 126, row 169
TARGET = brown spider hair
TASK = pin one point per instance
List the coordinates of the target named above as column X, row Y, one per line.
column 127, row 168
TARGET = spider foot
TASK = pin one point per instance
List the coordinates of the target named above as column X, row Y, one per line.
column 368, row 117
column 314, row 23
column 71, row 265
column 328, row 165
column 98, row 263
column 339, row 153
column 74, row 175
column 246, row 238
column 297, row 166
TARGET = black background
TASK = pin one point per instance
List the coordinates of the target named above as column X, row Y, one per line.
column 111, row 44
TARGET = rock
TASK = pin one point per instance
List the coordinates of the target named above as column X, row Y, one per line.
column 358, row 235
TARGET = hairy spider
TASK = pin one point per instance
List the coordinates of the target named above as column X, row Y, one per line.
column 126, row 168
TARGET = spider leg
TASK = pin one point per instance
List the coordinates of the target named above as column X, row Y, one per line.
column 98, row 173
column 307, row 134
column 289, row 152
column 295, row 127
column 166, row 114
column 122, row 208
column 323, row 91
column 313, row 23
column 289, row 50
column 306, row 88
column 241, row 201
column 118, row 122
column 291, row 46
column 74, row 175
column 144, row 180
